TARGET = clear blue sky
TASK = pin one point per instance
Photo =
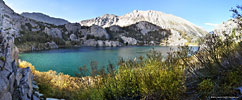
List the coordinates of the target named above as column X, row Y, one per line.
column 204, row 13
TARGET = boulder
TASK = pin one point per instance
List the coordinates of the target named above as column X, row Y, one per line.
column 98, row 31
column 73, row 37
column 51, row 45
column 108, row 43
column 53, row 32
column 100, row 43
column 129, row 40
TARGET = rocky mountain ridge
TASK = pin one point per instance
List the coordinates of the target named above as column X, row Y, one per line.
column 45, row 18
column 166, row 21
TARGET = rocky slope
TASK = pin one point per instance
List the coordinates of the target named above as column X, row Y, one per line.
column 179, row 27
column 136, row 28
column 30, row 34
column 45, row 18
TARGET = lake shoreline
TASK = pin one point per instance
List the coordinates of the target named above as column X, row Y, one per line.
column 69, row 60
column 70, row 47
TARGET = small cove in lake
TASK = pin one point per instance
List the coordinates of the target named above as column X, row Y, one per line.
column 69, row 60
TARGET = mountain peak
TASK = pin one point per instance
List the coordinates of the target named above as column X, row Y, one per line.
column 109, row 15
column 166, row 21
column 146, row 11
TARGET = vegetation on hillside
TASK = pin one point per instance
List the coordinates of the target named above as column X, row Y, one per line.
column 36, row 38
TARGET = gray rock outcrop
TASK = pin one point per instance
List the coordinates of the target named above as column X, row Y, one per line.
column 73, row 37
column 72, row 27
column 129, row 40
column 54, row 32
column 102, row 43
column 96, row 31
column 52, row 45
column 112, row 43
column 15, row 83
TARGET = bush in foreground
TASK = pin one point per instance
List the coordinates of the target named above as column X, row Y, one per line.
column 149, row 78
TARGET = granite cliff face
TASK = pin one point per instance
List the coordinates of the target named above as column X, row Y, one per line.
column 45, row 18
column 15, row 83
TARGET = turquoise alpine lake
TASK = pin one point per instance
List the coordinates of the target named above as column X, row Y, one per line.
column 69, row 60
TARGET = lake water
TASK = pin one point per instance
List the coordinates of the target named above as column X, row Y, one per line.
column 68, row 61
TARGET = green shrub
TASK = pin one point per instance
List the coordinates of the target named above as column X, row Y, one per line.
column 206, row 87
column 220, row 62
column 150, row 78
column 2, row 58
column 32, row 37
